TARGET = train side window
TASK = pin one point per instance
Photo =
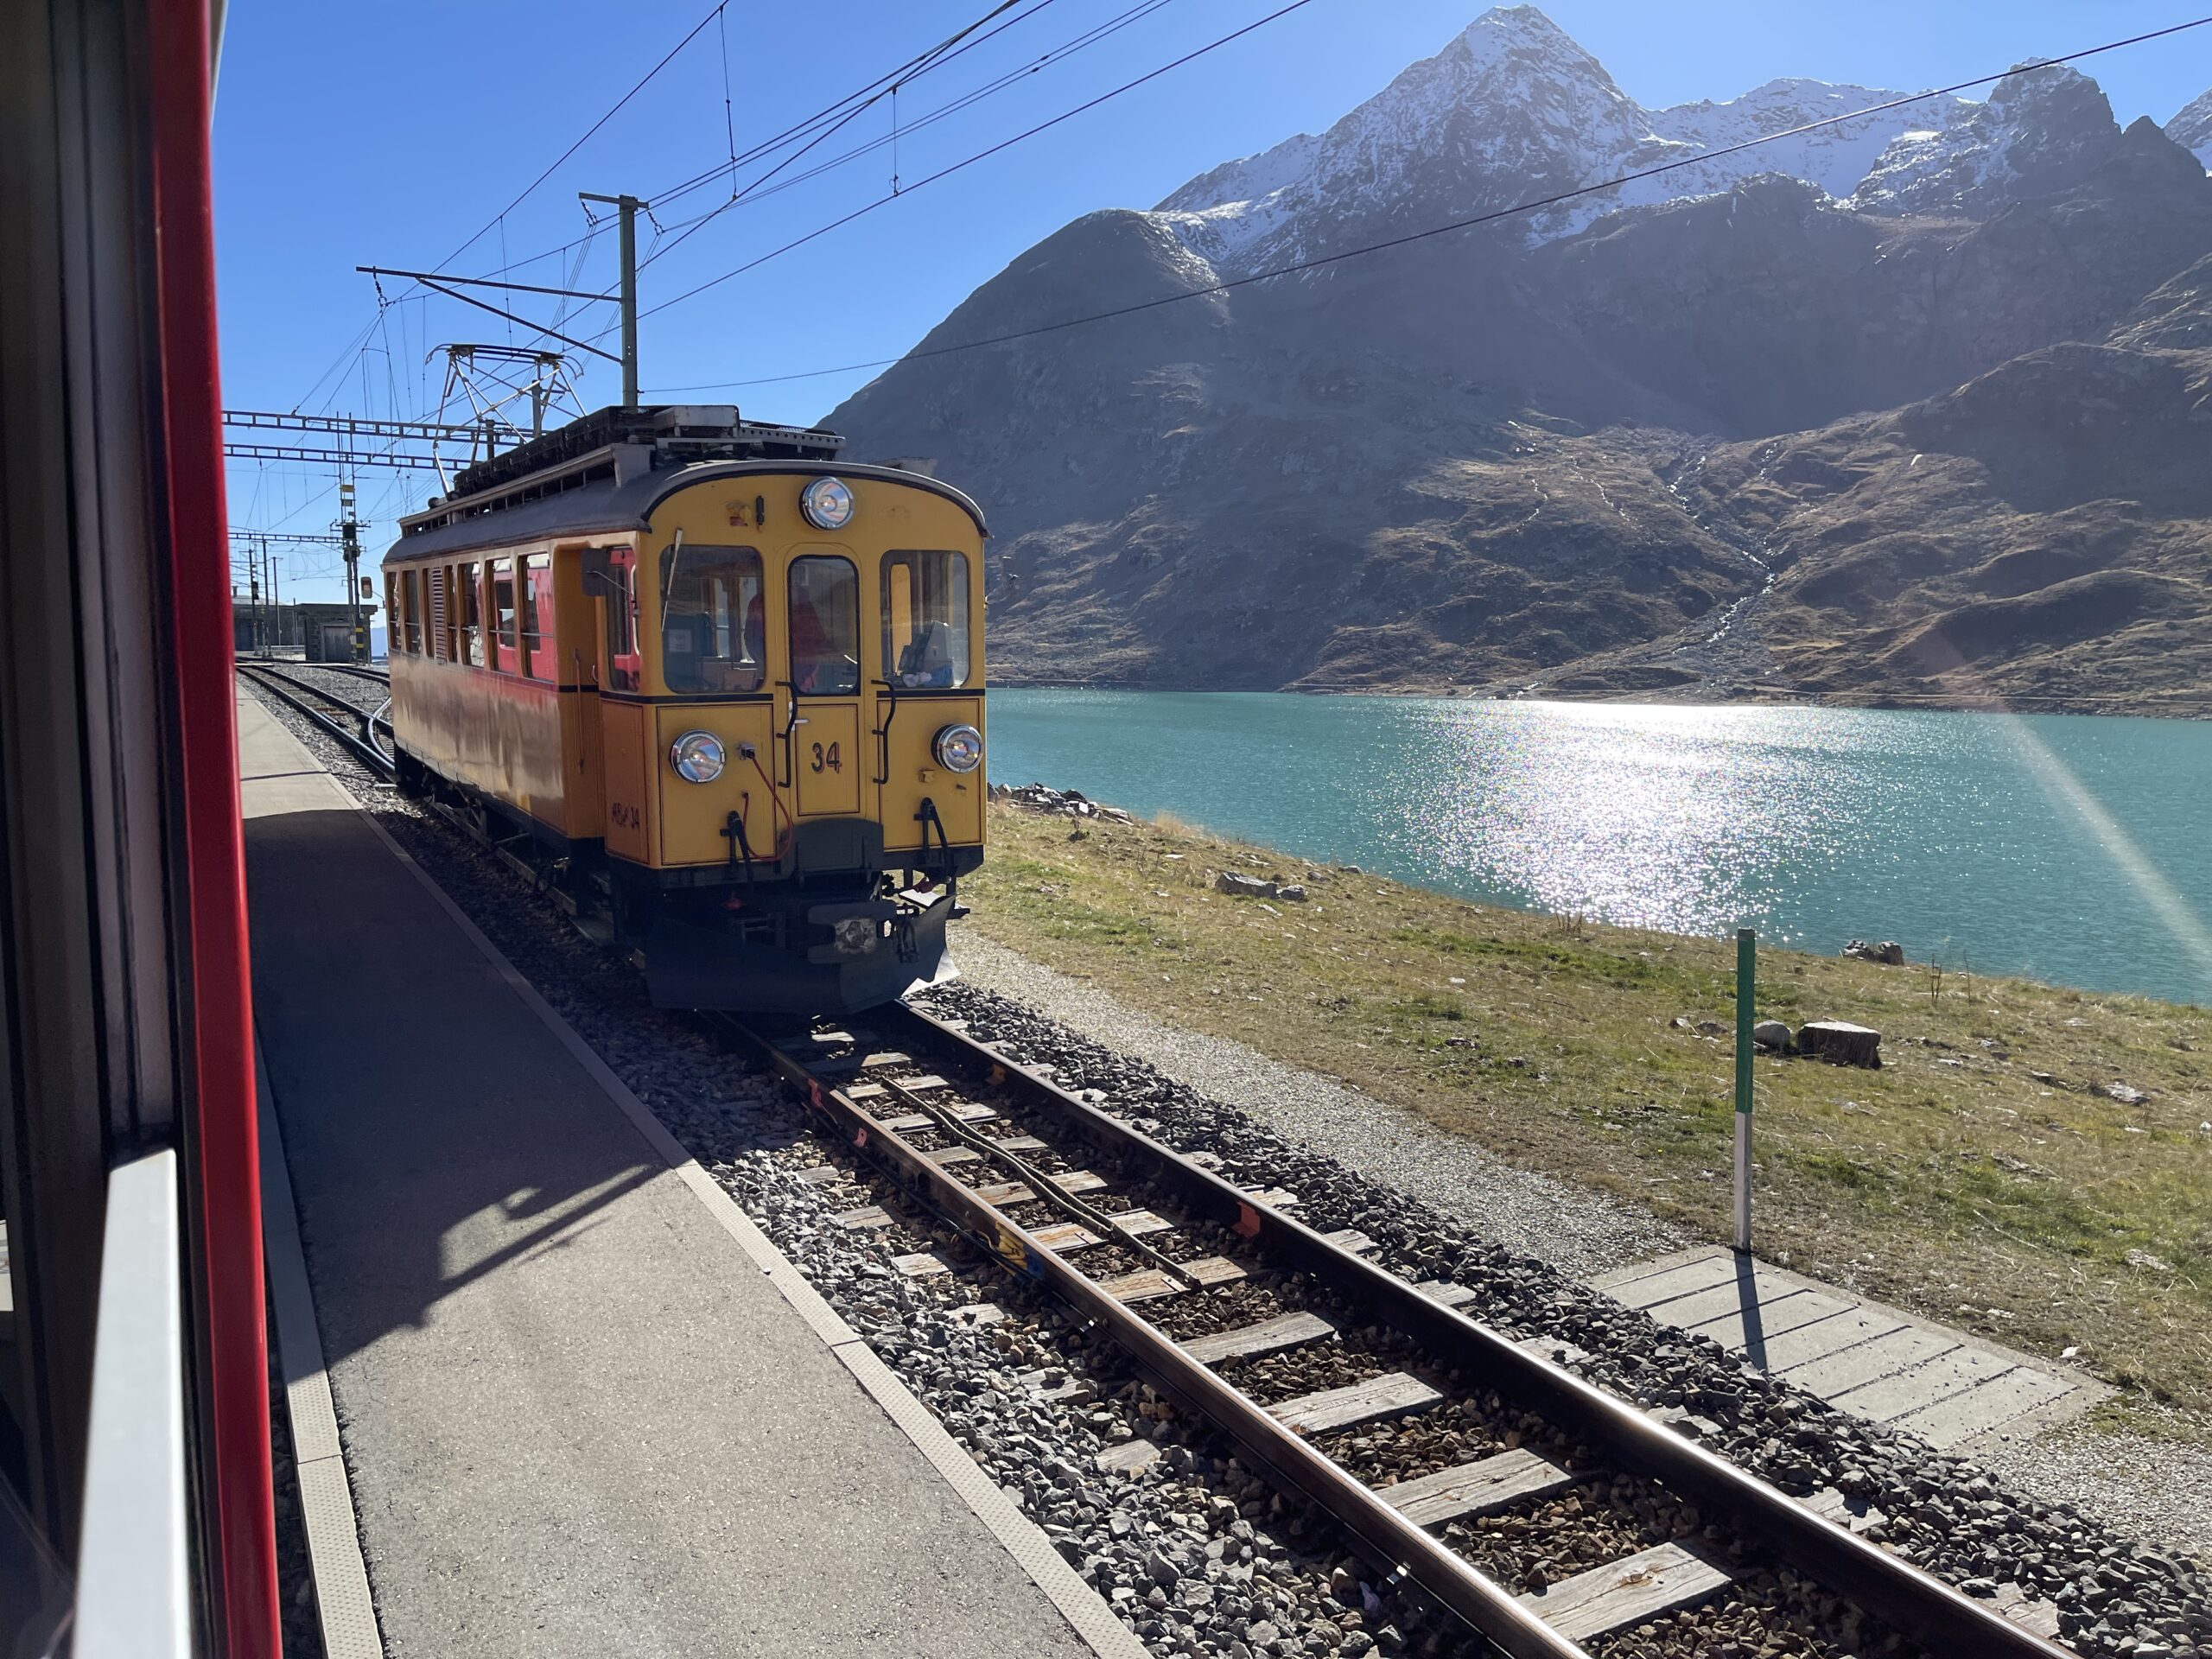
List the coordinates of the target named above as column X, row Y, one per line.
column 507, row 650
column 469, row 578
column 713, row 618
column 926, row 619
column 622, row 599
column 825, row 625
column 411, row 590
column 540, row 651
column 391, row 612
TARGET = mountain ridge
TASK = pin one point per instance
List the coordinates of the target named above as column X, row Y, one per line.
column 1522, row 459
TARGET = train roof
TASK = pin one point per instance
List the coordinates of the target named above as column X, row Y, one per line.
column 607, row 471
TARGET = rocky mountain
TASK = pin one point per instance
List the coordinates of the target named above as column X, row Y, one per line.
column 1905, row 408
column 2041, row 131
column 2191, row 127
column 1512, row 109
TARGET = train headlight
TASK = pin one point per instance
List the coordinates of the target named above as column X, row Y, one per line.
column 697, row 757
column 959, row 748
column 826, row 503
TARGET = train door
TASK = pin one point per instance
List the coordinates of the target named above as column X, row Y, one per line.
column 623, row 714
column 822, row 715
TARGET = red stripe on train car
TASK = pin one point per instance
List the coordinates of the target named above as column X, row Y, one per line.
column 224, row 1143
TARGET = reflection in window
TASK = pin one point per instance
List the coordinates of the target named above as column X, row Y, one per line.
column 503, row 613
column 469, row 580
column 825, row 632
column 713, row 629
column 621, row 619
column 538, row 646
column 926, row 619
column 414, row 596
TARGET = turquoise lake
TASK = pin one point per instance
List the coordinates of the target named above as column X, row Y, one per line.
column 2072, row 849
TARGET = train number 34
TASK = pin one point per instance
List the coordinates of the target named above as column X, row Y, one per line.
column 827, row 760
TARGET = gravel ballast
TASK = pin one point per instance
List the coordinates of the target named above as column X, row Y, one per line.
column 1165, row 1546
column 1579, row 1232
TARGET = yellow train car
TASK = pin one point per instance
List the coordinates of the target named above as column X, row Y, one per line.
column 719, row 683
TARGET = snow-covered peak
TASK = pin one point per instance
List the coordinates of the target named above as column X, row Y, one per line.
column 2191, row 128
column 1524, row 35
column 1513, row 109
column 1512, row 62
column 2042, row 129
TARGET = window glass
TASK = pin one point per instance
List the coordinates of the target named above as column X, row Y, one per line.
column 468, row 579
column 391, row 613
column 411, row 589
column 621, row 623
column 825, row 633
column 540, row 654
column 504, row 620
column 926, row 619
column 713, row 620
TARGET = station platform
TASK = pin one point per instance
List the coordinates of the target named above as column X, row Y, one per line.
column 584, row 1407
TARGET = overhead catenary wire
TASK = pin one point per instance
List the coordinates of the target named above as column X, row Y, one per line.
column 354, row 349
column 963, row 40
column 914, row 67
column 935, row 57
column 353, row 352
column 907, row 127
column 970, row 161
column 1534, row 205
column 729, row 109
column 620, row 104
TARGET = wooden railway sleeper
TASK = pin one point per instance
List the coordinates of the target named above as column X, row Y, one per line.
column 1042, row 1185
column 1392, row 1542
column 1921, row 1608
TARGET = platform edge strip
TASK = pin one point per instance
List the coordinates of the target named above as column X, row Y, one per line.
column 345, row 1608
column 1085, row 1611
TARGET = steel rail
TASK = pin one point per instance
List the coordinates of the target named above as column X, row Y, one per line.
column 312, row 690
column 381, row 717
column 374, row 676
column 273, row 682
column 1098, row 1221
column 1914, row 1603
column 1385, row 1536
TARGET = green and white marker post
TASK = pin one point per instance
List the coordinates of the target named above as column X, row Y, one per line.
column 1746, row 951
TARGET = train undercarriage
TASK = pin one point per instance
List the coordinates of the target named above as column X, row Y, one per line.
column 831, row 925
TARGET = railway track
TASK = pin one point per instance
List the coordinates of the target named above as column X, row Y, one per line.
column 359, row 740
column 374, row 676
column 1338, row 1379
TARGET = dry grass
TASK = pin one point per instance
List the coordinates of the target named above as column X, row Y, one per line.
column 1984, row 1175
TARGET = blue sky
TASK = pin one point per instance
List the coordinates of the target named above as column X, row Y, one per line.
column 390, row 133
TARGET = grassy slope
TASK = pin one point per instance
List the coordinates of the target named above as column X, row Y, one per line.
column 1982, row 1176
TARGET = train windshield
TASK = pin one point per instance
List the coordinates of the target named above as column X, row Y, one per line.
column 825, row 625
column 713, row 621
column 926, row 619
